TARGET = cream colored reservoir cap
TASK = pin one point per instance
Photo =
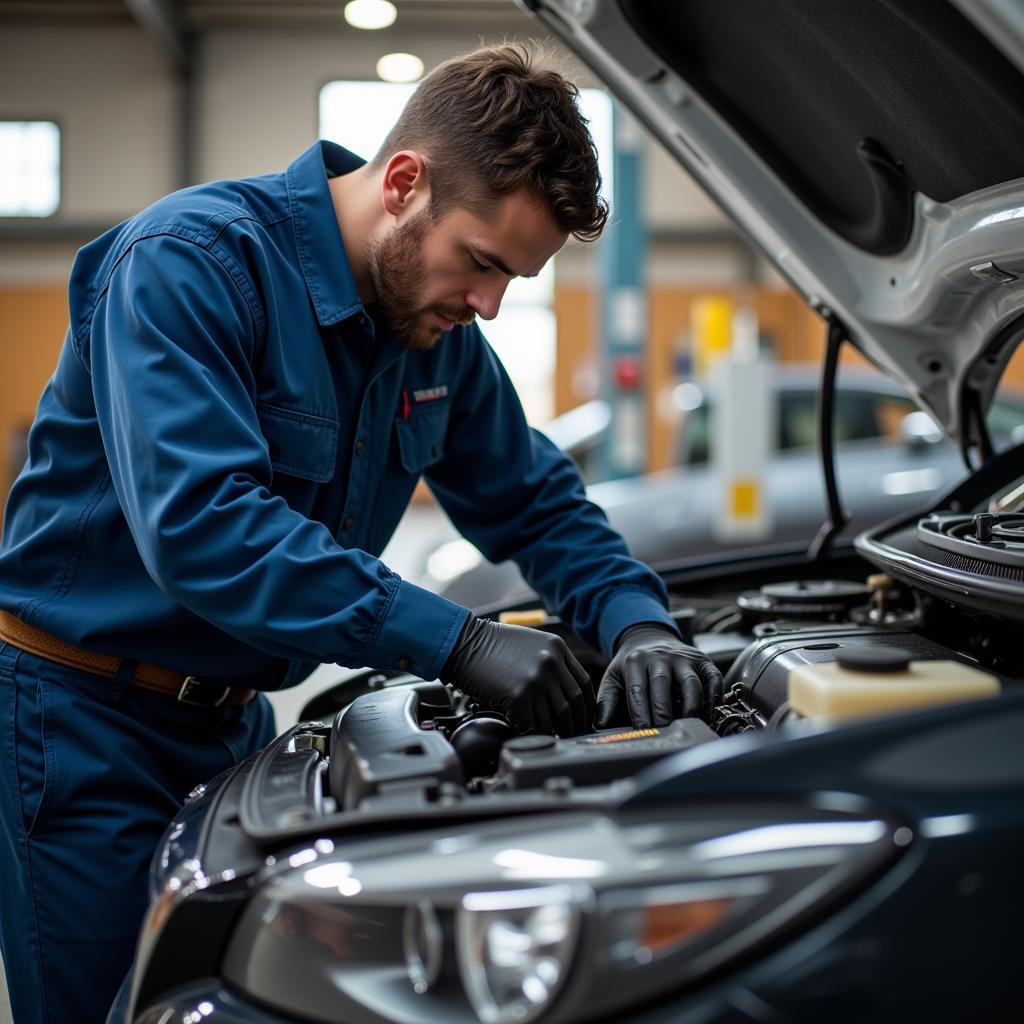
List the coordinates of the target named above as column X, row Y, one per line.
column 866, row 682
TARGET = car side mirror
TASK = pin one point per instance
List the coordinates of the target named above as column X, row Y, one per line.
column 919, row 431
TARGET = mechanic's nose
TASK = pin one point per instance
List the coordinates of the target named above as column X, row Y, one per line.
column 485, row 302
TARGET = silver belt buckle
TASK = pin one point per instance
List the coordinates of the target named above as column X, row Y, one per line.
column 192, row 687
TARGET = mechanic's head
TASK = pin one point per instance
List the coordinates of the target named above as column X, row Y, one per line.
column 487, row 172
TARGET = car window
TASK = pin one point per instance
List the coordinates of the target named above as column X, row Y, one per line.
column 1006, row 421
column 860, row 415
column 695, row 437
column 891, row 410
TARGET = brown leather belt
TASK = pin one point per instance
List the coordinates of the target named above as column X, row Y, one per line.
column 187, row 689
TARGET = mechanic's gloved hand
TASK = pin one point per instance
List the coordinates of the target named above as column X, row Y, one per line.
column 651, row 667
column 529, row 676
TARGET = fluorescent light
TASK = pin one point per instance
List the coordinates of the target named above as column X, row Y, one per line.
column 370, row 14
column 400, row 67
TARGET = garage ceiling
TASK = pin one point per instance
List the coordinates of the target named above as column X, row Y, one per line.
column 204, row 15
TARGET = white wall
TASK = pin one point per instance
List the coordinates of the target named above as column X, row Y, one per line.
column 116, row 99
column 113, row 96
column 260, row 94
column 260, row 90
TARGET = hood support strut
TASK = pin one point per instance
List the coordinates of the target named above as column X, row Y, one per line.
column 974, row 434
column 837, row 516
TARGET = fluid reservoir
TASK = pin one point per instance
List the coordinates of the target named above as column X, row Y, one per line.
column 869, row 681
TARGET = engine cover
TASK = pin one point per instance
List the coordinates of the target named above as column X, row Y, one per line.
column 534, row 761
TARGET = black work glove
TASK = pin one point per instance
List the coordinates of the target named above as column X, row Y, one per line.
column 651, row 667
column 529, row 676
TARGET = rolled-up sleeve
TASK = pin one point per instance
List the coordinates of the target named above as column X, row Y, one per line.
column 171, row 350
column 515, row 495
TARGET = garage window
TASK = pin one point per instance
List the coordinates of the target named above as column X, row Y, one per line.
column 29, row 168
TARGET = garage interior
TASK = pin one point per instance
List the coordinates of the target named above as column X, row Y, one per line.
column 152, row 96
column 149, row 96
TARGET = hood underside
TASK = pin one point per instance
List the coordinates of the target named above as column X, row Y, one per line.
column 873, row 151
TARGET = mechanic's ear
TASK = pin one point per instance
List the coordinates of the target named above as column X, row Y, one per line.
column 404, row 183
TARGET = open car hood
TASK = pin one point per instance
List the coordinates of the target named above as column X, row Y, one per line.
column 873, row 151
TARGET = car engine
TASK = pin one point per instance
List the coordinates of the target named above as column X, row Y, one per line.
column 410, row 735
column 920, row 612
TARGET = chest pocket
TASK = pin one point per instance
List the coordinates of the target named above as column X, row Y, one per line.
column 300, row 443
column 421, row 438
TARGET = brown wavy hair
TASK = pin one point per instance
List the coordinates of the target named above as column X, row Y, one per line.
column 495, row 120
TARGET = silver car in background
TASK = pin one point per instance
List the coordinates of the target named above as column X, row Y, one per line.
column 892, row 458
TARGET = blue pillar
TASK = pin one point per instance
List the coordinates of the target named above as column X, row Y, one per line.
column 623, row 306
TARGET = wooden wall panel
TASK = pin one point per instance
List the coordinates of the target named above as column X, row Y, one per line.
column 1013, row 376
column 32, row 325
column 576, row 317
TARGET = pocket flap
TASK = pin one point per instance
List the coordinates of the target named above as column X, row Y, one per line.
column 421, row 438
column 300, row 443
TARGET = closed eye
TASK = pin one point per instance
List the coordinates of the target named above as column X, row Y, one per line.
column 477, row 265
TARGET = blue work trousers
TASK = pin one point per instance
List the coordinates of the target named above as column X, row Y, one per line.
column 91, row 772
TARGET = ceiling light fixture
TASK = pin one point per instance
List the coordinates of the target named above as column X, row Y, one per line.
column 400, row 67
column 370, row 14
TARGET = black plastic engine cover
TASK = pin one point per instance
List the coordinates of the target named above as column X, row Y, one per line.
column 378, row 744
column 530, row 761
column 763, row 669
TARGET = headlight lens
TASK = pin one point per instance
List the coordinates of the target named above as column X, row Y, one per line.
column 422, row 940
column 573, row 916
column 514, row 949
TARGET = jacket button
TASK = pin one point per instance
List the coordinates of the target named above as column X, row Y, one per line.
column 348, row 523
column 360, row 447
column 404, row 663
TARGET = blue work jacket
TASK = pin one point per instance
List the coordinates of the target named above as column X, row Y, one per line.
column 230, row 439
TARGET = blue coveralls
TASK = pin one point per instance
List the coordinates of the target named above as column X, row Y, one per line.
column 227, row 444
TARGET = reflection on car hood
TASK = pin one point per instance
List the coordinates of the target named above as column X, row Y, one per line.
column 872, row 151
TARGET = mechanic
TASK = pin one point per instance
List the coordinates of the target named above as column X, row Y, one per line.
column 255, row 376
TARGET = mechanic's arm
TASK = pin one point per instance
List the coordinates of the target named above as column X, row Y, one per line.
column 515, row 495
column 171, row 349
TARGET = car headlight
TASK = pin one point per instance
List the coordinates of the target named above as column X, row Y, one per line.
column 423, row 940
column 544, row 918
column 514, row 949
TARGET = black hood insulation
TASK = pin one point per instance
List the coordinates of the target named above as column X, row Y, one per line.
column 855, row 105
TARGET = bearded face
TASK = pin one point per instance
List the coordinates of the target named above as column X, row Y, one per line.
column 399, row 272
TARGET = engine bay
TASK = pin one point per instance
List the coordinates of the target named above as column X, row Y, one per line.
column 420, row 734
column 416, row 749
column 804, row 644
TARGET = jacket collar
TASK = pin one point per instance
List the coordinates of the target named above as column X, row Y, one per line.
column 318, row 241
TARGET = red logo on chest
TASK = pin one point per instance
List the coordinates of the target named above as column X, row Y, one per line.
column 421, row 395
